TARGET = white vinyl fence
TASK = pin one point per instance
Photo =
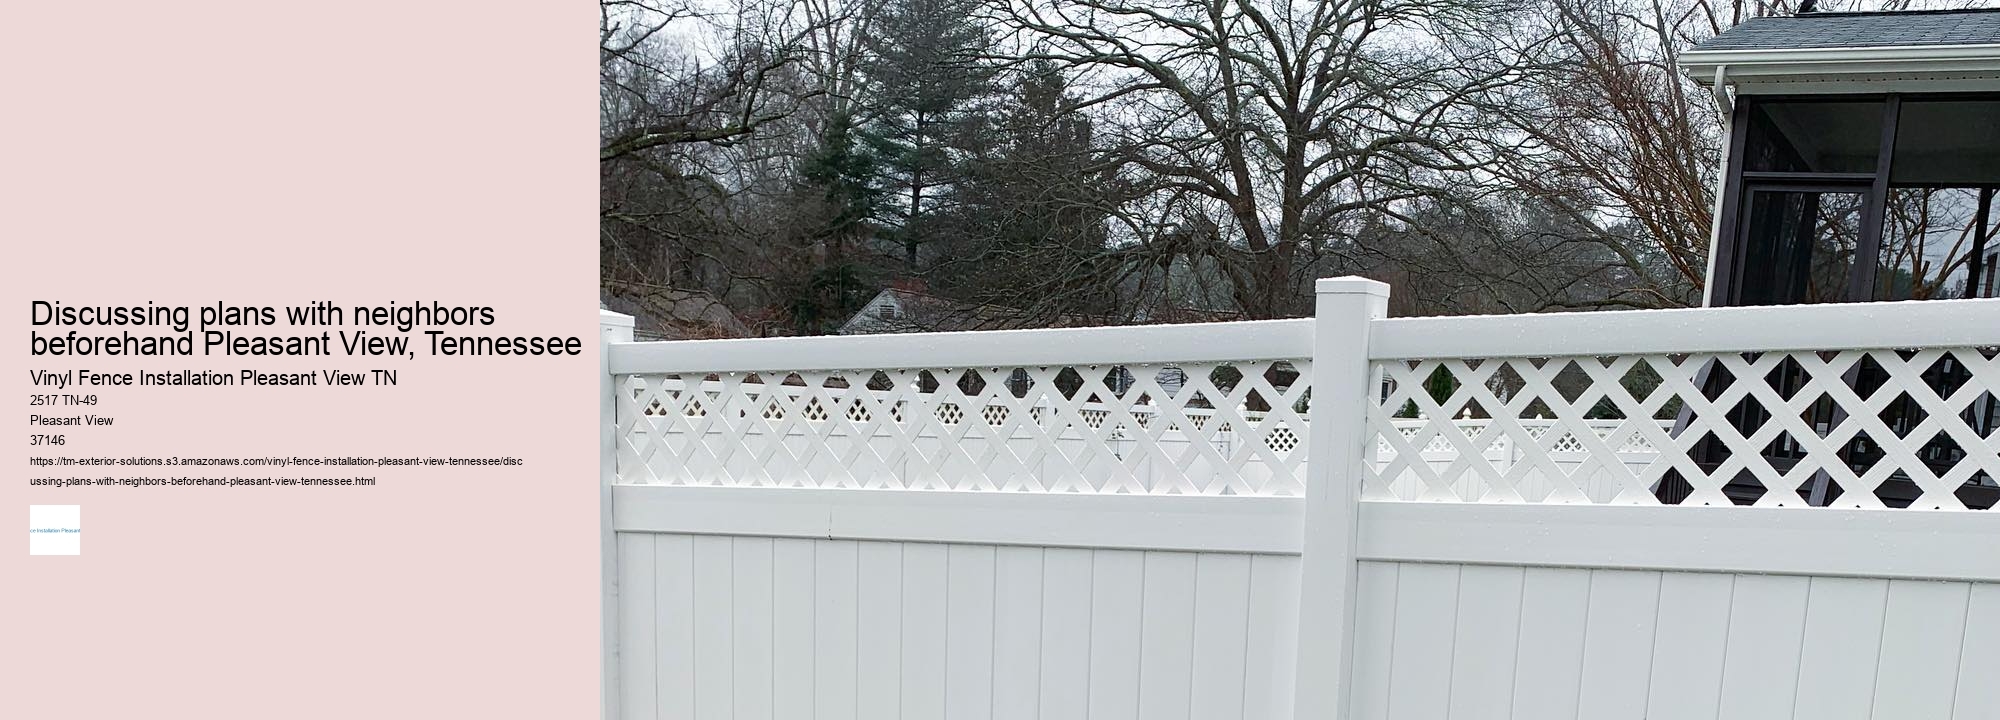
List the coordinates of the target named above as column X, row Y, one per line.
column 1719, row 513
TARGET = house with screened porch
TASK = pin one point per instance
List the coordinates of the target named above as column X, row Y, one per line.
column 1775, row 506
column 1863, row 160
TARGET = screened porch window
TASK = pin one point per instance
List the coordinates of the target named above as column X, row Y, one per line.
column 1814, row 136
column 1938, row 215
column 1845, row 199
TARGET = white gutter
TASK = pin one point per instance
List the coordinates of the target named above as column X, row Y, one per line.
column 1981, row 59
column 1720, row 86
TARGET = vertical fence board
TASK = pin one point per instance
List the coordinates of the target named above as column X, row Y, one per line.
column 836, row 628
column 1116, row 592
column 1065, row 680
column 1618, row 644
column 878, row 660
column 1374, row 636
column 638, row 655
column 1222, row 607
column 1555, row 604
column 1922, row 628
column 611, row 328
column 968, row 665
column 792, row 595
column 1166, row 656
column 1843, row 641
column 1426, row 621
column 714, row 651
column 753, row 633
column 673, row 625
column 1272, row 648
column 1978, row 695
column 1489, row 628
column 1017, row 632
column 924, row 630
column 1760, row 669
column 751, row 627
column 1690, row 638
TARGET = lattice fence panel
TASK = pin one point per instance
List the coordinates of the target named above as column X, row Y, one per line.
column 1194, row 428
column 1848, row 428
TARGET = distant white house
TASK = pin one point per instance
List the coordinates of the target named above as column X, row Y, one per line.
column 904, row 310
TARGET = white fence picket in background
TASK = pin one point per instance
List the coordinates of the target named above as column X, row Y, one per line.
column 1151, row 428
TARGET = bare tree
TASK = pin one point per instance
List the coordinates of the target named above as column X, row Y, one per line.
column 1147, row 160
column 1621, row 141
column 1289, row 119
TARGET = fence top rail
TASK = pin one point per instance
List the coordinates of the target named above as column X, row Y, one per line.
column 1857, row 326
column 1197, row 342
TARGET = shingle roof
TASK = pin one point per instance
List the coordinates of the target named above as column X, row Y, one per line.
column 924, row 312
column 664, row 313
column 1861, row 29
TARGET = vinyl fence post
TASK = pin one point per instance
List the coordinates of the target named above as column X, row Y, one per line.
column 612, row 328
column 1343, row 382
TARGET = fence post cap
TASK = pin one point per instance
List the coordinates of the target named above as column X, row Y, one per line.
column 614, row 319
column 1351, row 285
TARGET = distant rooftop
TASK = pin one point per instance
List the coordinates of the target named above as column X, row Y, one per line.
column 1861, row 29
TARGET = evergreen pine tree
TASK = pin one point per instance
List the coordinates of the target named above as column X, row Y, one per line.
column 840, row 176
column 925, row 90
column 1030, row 219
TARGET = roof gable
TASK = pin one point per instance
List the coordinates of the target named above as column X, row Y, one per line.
column 923, row 312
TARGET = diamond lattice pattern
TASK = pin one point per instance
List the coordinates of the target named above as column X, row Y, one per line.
column 1853, row 428
column 1194, row 428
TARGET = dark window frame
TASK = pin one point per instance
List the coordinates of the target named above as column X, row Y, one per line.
column 1802, row 183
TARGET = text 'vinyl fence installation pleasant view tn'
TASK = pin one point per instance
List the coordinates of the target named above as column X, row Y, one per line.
column 1750, row 513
